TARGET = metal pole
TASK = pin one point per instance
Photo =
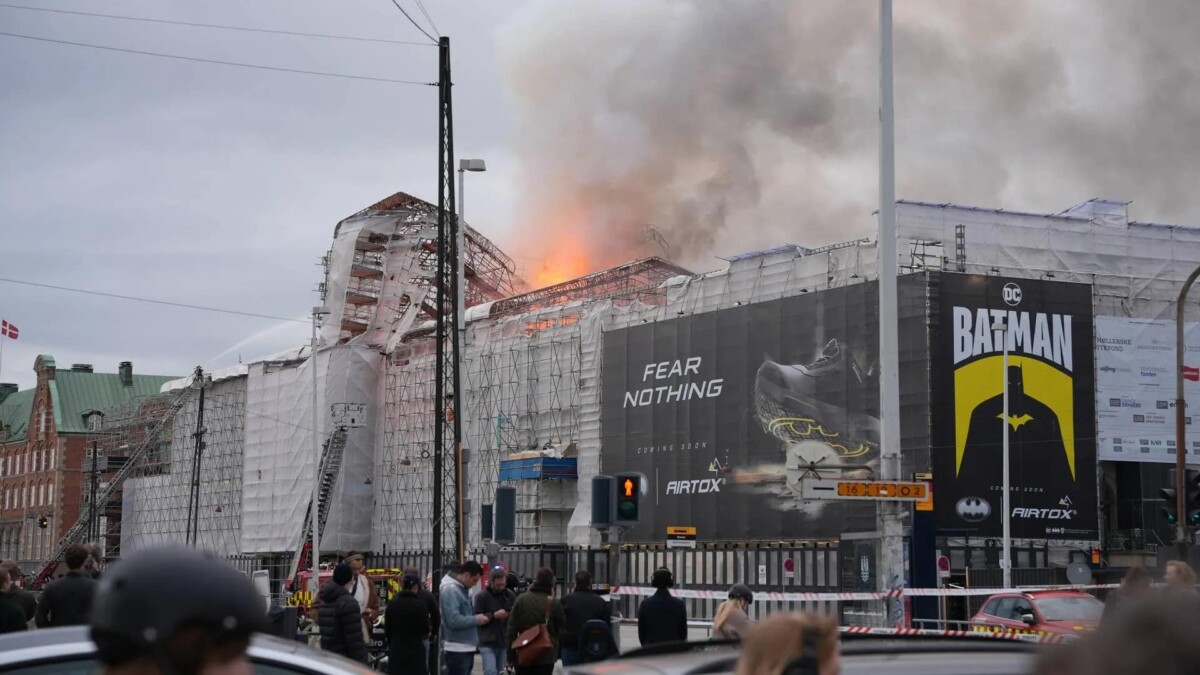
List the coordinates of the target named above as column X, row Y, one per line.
column 1006, row 559
column 439, row 392
column 316, row 442
column 1180, row 421
column 194, row 495
column 889, row 512
column 93, row 523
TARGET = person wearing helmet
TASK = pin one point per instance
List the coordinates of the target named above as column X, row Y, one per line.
column 732, row 619
column 662, row 617
column 147, row 616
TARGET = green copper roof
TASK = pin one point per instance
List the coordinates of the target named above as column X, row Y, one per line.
column 75, row 392
column 15, row 411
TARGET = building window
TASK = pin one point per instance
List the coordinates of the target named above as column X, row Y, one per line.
column 52, row 493
column 95, row 421
column 53, row 458
column 42, row 418
column 42, row 494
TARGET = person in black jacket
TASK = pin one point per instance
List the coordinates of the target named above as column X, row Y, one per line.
column 435, row 618
column 406, row 624
column 339, row 617
column 662, row 617
column 67, row 601
column 12, row 618
column 495, row 602
column 581, row 605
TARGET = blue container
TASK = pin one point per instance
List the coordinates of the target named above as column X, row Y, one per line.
column 539, row 468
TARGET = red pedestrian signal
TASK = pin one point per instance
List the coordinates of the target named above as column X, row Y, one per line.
column 629, row 497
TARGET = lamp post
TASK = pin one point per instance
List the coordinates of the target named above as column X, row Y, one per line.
column 317, row 313
column 1001, row 328
column 1180, row 422
column 464, row 165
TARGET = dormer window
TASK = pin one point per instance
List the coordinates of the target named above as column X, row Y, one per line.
column 94, row 420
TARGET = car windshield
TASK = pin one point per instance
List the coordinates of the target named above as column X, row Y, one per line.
column 1071, row 609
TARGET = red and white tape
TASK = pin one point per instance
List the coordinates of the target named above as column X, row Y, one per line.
column 776, row 596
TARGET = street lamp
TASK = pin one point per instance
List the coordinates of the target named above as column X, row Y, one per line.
column 1181, row 421
column 317, row 313
column 464, row 165
column 1001, row 327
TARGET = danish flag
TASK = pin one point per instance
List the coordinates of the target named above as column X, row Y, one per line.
column 8, row 330
column 1189, row 373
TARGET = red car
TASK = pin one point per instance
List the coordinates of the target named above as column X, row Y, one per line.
column 1039, row 613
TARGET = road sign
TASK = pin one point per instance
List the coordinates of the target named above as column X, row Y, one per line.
column 912, row 491
column 927, row 503
column 681, row 537
column 943, row 567
column 789, row 568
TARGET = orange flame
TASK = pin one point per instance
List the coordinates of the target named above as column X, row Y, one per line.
column 566, row 259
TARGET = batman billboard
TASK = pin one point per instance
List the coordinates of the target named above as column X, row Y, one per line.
column 726, row 412
column 1048, row 330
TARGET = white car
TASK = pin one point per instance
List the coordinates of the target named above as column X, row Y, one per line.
column 52, row 651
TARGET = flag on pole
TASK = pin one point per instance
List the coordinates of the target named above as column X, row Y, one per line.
column 8, row 330
column 1191, row 373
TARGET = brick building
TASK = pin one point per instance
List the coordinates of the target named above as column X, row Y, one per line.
column 45, row 433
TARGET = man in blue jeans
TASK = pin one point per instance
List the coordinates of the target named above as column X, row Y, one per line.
column 494, row 602
column 460, row 624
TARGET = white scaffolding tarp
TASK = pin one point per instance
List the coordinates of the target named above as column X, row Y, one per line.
column 280, row 461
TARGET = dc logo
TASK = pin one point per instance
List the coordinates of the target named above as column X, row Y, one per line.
column 1011, row 294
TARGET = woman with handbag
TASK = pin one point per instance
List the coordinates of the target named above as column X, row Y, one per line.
column 534, row 627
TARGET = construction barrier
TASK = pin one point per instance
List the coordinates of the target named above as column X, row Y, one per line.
column 775, row 596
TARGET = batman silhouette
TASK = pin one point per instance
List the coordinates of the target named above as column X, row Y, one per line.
column 1037, row 457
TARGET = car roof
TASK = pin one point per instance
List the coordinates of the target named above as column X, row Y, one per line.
column 1034, row 595
column 900, row 655
column 77, row 641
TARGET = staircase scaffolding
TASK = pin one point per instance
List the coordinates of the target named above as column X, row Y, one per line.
column 78, row 532
column 331, row 468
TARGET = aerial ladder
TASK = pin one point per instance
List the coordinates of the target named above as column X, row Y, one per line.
column 153, row 439
column 330, row 469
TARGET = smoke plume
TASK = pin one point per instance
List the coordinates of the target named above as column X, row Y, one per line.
column 730, row 126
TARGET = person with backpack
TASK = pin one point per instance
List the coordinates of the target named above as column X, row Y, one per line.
column 581, row 606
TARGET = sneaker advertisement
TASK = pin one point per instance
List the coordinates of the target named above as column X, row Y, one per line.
column 1048, row 331
column 726, row 413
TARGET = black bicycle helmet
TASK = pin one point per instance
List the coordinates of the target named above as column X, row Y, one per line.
column 741, row 591
column 144, row 599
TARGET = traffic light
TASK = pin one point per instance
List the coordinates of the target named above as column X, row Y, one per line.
column 43, row 522
column 629, row 498
column 1191, row 498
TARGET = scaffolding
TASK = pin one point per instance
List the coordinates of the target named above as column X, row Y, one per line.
column 207, row 437
column 380, row 274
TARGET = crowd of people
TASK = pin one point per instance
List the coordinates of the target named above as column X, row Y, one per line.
column 1145, row 627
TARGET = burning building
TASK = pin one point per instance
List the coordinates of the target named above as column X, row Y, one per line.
column 727, row 390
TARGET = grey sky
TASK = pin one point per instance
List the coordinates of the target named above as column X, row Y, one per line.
column 215, row 185
column 728, row 125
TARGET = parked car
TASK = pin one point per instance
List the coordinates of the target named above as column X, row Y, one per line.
column 70, row 650
column 861, row 655
column 1070, row 613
